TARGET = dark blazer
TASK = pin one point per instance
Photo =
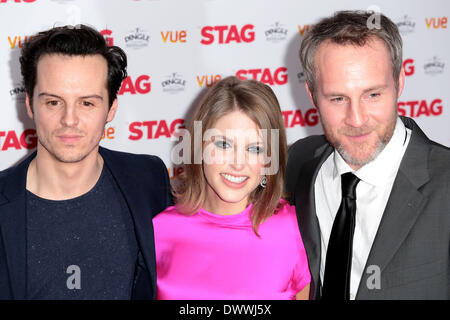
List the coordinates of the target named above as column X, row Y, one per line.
column 144, row 183
column 412, row 244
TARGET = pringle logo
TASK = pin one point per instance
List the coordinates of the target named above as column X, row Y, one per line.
column 227, row 34
column 173, row 83
column 137, row 39
column 17, row 93
column 265, row 75
column 276, row 33
column 17, row 1
column 141, row 85
column 406, row 25
column 418, row 108
column 106, row 33
column 434, row 66
column 12, row 140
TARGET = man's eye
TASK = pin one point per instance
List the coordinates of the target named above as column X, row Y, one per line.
column 53, row 103
column 87, row 104
column 374, row 95
column 337, row 99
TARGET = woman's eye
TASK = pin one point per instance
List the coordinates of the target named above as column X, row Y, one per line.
column 221, row 144
column 256, row 149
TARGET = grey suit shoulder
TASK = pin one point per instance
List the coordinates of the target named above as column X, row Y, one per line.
column 412, row 245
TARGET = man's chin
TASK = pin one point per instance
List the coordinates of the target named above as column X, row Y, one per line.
column 357, row 159
column 66, row 154
column 70, row 158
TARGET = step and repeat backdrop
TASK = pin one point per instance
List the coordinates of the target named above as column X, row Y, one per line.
column 177, row 49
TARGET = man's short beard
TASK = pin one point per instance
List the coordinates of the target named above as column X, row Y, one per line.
column 351, row 160
column 64, row 157
column 360, row 162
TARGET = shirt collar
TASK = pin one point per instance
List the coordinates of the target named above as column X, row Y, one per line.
column 383, row 168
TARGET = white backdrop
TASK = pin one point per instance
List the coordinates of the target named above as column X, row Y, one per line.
column 177, row 48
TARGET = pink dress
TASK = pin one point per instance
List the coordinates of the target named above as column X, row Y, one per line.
column 218, row 257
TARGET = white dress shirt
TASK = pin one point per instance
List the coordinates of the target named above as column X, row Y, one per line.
column 372, row 194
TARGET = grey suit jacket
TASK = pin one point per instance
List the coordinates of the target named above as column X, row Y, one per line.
column 411, row 249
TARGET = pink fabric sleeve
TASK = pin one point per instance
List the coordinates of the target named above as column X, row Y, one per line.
column 301, row 275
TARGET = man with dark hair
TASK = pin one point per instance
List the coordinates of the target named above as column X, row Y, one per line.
column 76, row 218
column 372, row 193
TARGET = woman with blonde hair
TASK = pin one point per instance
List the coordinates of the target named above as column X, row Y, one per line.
column 231, row 235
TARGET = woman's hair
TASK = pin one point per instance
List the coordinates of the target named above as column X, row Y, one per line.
column 260, row 104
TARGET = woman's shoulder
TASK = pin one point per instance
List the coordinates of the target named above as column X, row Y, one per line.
column 286, row 209
column 283, row 224
column 168, row 213
column 169, row 210
column 285, row 214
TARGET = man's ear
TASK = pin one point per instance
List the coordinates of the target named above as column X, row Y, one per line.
column 310, row 94
column 112, row 111
column 30, row 112
column 401, row 82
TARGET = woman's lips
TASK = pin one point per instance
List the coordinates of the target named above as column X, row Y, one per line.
column 234, row 181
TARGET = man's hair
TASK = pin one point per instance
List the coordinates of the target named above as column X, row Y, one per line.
column 351, row 28
column 260, row 104
column 79, row 40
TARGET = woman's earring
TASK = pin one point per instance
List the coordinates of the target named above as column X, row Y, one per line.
column 263, row 182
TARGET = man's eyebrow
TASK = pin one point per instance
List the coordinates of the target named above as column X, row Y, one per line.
column 91, row 96
column 380, row 87
column 50, row 95
column 337, row 94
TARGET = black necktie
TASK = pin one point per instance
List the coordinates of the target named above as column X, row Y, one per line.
column 336, row 284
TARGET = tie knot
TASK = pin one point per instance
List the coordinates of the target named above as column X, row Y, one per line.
column 348, row 184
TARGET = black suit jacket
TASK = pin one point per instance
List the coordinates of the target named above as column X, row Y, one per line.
column 144, row 183
column 412, row 244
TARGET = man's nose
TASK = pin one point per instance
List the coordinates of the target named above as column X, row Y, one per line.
column 70, row 115
column 356, row 115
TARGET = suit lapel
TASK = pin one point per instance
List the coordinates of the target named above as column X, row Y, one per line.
column 306, row 214
column 403, row 207
column 13, row 224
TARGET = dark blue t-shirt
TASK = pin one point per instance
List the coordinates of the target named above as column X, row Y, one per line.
column 81, row 248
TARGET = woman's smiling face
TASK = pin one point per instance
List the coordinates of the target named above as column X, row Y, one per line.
column 232, row 163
